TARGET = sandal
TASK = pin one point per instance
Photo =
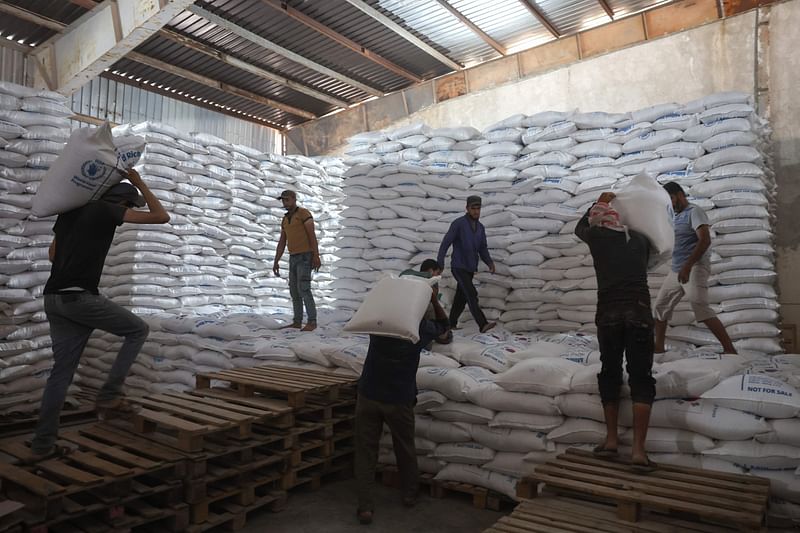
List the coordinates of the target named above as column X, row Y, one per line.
column 364, row 517
column 119, row 407
column 56, row 452
column 601, row 451
column 643, row 468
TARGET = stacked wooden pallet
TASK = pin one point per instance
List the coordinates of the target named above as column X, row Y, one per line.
column 323, row 406
column 670, row 498
column 112, row 481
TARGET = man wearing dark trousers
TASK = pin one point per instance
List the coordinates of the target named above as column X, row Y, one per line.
column 387, row 393
column 75, row 308
column 467, row 236
column 624, row 322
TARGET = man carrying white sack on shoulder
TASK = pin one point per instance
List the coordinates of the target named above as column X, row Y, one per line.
column 75, row 308
column 387, row 393
column 624, row 322
column 691, row 267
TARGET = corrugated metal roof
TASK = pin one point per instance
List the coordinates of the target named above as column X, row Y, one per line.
column 509, row 22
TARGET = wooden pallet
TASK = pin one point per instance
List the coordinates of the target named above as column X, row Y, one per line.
column 189, row 419
column 223, row 471
column 482, row 498
column 10, row 515
column 270, row 412
column 561, row 514
column 103, row 467
column 232, row 516
column 704, row 496
column 16, row 425
column 296, row 385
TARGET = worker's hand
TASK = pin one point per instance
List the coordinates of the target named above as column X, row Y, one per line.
column 316, row 262
column 683, row 273
column 134, row 177
column 606, row 197
column 434, row 292
column 491, row 268
column 276, row 269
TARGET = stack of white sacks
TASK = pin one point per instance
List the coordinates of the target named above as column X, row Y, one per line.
column 210, row 268
column 537, row 175
column 33, row 129
column 318, row 185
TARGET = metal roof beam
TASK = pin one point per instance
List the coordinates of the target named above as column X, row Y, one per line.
column 98, row 39
column 249, row 67
column 543, row 20
column 24, row 14
column 405, row 34
column 169, row 94
column 216, row 84
column 269, row 45
column 607, row 8
column 341, row 39
column 472, row 26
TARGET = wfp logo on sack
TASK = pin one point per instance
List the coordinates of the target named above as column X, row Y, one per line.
column 94, row 170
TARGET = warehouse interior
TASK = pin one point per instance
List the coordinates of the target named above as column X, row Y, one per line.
column 384, row 117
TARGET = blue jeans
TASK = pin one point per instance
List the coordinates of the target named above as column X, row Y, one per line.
column 72, row 319
column 300, row 287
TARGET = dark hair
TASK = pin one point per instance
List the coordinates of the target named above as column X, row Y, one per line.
column 673, row 188
column 429, row 264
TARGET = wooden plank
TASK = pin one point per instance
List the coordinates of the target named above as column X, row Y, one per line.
column 109, row 451
column 267, row 382
column 719, row 479
column 31, row 482
column 612, row 36
column 173, row 422
column 651, row 484
column 311, row 374
column 180, row 412
column 94, row 463
column 294, row 376
column 622, row 495
column 133, row 442
column 191, row 402
column 679, row 16
column 280, row 406
column 246, row 380
column 68, row 473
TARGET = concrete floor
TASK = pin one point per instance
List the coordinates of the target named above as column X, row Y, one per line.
column 332, row 509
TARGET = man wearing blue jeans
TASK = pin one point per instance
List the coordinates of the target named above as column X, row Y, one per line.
column 467, row 236
column 297, row 231
column 75, row 308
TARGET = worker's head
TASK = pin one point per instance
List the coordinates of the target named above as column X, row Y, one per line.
column 288, row 198
column 604, row 216
column 474, row 207
column 124, row 194
column 677, row 195
column 431, row 266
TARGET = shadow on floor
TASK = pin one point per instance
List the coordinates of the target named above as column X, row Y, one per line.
column 332, row 509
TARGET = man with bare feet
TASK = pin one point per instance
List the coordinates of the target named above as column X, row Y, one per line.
column 624, row 323
column 297, row 231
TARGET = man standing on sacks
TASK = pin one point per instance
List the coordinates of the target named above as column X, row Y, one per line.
column 467, row 236
column 624, row 322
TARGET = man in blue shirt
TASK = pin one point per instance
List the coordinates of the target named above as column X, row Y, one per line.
column 387, row 393
column 468, row 238
column 691, row 267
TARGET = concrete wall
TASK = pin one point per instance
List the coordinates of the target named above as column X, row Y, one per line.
column 754, row 52
column 783, row 78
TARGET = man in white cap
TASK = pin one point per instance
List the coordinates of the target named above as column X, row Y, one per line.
column 297, row 230
column 75, row 308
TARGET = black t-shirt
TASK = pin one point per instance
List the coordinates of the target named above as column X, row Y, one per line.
column 83, row 237
column 390, row 370
column 620, row 262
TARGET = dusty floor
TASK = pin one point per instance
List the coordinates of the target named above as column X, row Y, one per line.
column 331, row 509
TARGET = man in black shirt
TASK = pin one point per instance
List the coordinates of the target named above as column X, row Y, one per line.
column 75, row 308
column 624, row 322
column 387, row 392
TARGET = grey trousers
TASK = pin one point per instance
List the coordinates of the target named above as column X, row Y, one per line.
column 370, row 416
column 72, row 319
column 300, row 287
